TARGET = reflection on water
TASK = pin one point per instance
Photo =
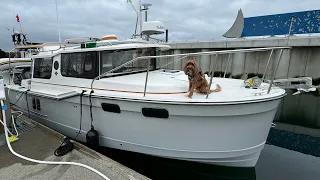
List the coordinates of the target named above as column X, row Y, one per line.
column 163, row 168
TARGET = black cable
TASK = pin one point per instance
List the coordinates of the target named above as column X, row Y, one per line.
column 81, row 95
column 18, row 98
column 91, row 107
column 27, row 104
column 65, row 147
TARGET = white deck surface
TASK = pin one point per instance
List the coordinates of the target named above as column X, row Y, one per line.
column 161, row 87
column 177, row 84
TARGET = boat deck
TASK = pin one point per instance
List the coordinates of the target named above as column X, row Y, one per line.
column 39, row 142
column 173, row 86
column 169, row 86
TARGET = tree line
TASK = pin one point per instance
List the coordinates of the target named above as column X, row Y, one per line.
column 4, row 54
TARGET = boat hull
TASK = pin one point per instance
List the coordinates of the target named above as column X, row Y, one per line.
column 227, row 135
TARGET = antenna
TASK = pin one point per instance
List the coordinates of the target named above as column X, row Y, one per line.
column 58, row 22
column 135, row 30
column 146, row 8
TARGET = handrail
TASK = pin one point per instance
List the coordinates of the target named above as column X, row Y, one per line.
column 10, row 63
column 212, row 72
column 275, row 71
column 265, row 71
column 225, row 71
column 187, row 55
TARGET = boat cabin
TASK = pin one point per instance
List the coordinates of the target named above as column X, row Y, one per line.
column 85, row 62
column 75, row 66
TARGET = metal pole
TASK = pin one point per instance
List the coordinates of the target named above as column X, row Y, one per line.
column 224, row 75
column 9, row 64
column 265, row 71
column 146, row 15
column 140, row 14
column 275, row 71
column 166, row 35
column 20, row 27
column 212, row 69
column 135, row 30
column 145, row 84
column 58, row 22
column 292, row 18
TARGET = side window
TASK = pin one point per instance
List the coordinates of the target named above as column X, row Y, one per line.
column 79, row 65
column 111, row 60
column 42, row 68
column 106, row 61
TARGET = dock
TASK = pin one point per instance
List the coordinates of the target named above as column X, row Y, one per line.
column 39, row 142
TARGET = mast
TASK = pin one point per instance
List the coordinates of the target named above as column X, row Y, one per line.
column 140, row 14
column 58, row 22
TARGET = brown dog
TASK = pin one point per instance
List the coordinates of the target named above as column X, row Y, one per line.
column 196, row 79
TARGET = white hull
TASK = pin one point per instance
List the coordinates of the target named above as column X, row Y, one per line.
column 228, row 135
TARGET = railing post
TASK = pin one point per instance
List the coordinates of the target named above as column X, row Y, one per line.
column 212, row 69
column 265, row 71
column 9, row 64
column 225, row 71
column 275, row 71
column 145, row 84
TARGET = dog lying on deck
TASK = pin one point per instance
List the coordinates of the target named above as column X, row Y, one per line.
column 197, row 80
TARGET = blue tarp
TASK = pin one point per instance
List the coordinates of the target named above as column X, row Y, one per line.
column 304, row 22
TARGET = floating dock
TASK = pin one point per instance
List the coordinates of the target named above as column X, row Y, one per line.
column 39, row 142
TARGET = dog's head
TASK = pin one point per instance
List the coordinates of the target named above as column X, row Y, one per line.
column 191, row 69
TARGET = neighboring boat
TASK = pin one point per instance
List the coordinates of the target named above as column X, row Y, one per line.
column 14, row 69
column 119, row 88
column 11, row 67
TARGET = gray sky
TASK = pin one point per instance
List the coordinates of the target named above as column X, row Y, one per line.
column 190, row 20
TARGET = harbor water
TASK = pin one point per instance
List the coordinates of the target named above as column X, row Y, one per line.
column 286, row 156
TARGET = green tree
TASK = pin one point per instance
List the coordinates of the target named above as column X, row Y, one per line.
column 2, row 54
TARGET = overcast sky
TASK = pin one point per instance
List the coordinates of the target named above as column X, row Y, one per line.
column 190, row 20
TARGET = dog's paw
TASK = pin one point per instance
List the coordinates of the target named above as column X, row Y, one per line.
column 187, row 95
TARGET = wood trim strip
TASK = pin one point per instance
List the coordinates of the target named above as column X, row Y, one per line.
column 14, row 61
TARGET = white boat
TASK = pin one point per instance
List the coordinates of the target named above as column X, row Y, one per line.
column 11, row 67
column 119, row 88
column 14, row 69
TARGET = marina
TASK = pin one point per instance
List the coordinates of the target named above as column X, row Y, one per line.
column 140, row 107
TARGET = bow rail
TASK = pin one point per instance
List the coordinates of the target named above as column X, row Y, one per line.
column 216, row 53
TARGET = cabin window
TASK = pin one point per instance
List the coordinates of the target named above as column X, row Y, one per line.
column 42, row 68
column 113, row 59
column 79, row 65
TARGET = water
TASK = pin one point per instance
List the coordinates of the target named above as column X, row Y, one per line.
column 163, row 168
column 274, row 162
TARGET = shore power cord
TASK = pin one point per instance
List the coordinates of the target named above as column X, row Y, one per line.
column 38, row 161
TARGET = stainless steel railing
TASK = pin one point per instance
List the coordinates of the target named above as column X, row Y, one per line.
column 216, row 53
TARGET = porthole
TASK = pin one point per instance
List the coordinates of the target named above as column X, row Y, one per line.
column 56, row 65
column 156, row 113
column 114, row 108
